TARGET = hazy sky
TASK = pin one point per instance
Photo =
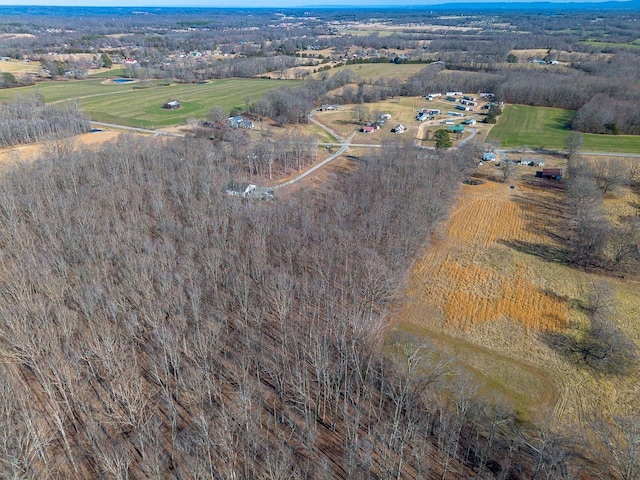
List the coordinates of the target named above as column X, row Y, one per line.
column 250, row 3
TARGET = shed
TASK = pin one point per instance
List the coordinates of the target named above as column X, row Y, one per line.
column 172, row 105
column 550, row 173
column 367, row 129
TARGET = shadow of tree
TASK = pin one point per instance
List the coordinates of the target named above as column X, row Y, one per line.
column 602, row 348
column 547, row 252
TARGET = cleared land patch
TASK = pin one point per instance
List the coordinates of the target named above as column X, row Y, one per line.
column 471, row 279
column 495, row 285
column 375, row 71
column 468, row 290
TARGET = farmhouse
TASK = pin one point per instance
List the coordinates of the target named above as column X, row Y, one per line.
column 550, row 173
column 470, row 121
column 248, row 190
column 488, row 157
column 422, row 117
column 454, row 94
column 456, row 128
column 463, row 107
column 172, row 105
column 455, row 114
column 238, row 189
column 431, row 96
column 239, row 122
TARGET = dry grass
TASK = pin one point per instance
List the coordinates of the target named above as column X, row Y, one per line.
column 494, row 281
column 467, row 290
column 25, row 153
column 19, row 68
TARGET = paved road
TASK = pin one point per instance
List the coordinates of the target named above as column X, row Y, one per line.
column 465, row 140
column 343, row 148
column 344, row 144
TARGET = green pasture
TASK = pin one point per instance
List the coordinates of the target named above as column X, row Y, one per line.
column 545, row 127
column 128, row 104
column 67, row 89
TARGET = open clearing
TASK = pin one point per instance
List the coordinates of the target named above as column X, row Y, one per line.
column 545, row 127
column 375, row 71
column 26, row 153
column 494, row 282
column 128, row 104
column 19, row 68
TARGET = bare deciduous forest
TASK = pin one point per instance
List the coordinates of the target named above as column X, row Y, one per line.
column 156, row 327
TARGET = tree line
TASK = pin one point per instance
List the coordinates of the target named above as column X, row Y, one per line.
column 29, row 121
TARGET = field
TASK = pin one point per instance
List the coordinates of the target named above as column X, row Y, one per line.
column 608, row 45
column 493, row 285
column 130, row 105
column 375, row 71
column 19, row 68
column 544, row 127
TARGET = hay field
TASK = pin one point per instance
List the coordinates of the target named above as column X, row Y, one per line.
column 467, row 285
column 374, row 71
column 494, row 284
column 19, row 68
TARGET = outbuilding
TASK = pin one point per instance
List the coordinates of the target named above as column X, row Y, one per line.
column 550, row 173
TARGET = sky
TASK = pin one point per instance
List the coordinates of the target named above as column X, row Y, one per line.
column 254, row 3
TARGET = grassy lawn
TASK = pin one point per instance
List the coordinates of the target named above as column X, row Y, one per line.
column 544, row 127
column 128, row 104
